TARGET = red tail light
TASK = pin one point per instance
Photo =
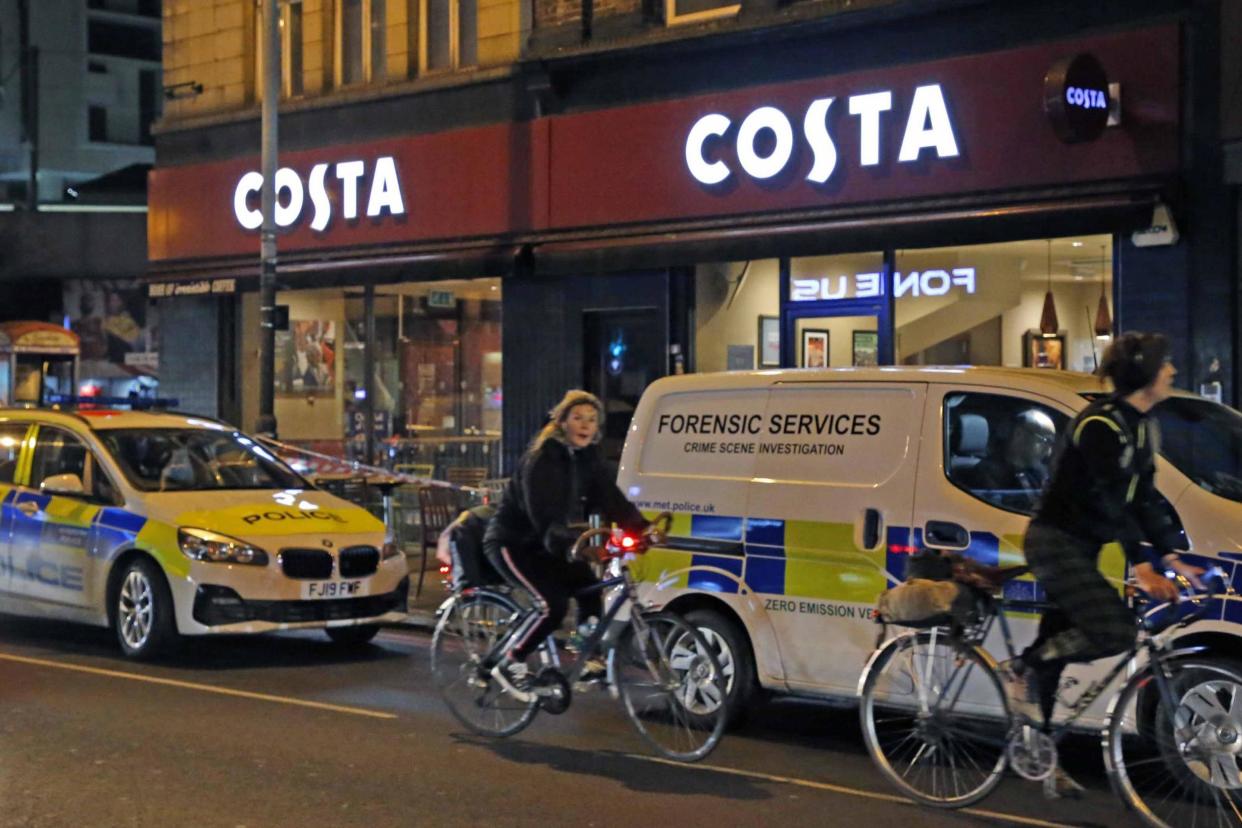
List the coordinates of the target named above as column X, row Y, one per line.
column 627, row 542
column 445, row 569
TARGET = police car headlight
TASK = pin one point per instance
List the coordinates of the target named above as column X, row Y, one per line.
column 201, row 545
column 390, row 550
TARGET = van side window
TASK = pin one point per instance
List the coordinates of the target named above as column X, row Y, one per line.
column 11, row 437
column 999, row 448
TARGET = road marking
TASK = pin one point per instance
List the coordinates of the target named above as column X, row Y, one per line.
column 203, row 688
column 841, row 789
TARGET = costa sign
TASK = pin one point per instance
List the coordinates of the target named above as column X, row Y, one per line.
column 1076, row 98
column 383, row 193
column 928, row 128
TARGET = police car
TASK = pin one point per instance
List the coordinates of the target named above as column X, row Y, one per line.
column 164, row 525
column 798, row 496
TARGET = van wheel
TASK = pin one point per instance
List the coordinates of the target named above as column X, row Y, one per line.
column 732, row 649
column 143, row 615
column 352, row 636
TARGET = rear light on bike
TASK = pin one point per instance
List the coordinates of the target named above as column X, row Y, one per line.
column 446, row 569
column 628, row 542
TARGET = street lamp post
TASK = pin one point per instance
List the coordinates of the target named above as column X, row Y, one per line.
column 267, row 243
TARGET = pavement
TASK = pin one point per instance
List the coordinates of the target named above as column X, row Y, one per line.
column 422, row 607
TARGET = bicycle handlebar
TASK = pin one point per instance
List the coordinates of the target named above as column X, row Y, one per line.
column 1215, row 585
column 654, row 533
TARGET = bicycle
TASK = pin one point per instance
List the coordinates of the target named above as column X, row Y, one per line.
column 660, row 666
column 937, row 723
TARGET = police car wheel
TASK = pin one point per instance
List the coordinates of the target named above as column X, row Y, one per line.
column 143, row 611
column 352, row 636
column 732, row 651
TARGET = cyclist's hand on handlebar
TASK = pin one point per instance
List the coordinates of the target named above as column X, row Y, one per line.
column 1154, row 584
column 1188, row 571
column 654, row 535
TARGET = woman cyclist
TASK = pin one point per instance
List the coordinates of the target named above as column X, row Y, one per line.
column 559, row 482
column 1102, row 490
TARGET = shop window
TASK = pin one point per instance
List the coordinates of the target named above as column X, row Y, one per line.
column 449, row 35
column 290, row 22
column 737, row 310
column 694, row 11
column 983, row 304
column 360, row 45
column 999, row 448
column 436, row 400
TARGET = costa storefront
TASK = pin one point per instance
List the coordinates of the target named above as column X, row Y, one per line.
column 924, row 212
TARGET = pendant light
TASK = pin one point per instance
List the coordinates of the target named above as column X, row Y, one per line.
column 1103, row 319
column 1048, row 323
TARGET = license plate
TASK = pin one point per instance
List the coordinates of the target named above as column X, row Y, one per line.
column 315, row 590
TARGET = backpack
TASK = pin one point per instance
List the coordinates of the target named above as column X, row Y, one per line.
column 471, row 568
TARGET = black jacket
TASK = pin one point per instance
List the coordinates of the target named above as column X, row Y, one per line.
column 1103, row 483
column 552, row 488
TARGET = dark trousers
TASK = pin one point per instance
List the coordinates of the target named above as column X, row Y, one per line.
column 551, row 582
column 1089, row 619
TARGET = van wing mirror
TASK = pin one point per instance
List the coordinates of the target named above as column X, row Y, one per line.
column 63, row 484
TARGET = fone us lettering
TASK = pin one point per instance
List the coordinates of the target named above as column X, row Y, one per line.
column 928, row 127
column 870, row 285
column 348, row 177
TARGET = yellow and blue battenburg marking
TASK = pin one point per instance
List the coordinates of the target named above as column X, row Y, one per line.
column 720, row 553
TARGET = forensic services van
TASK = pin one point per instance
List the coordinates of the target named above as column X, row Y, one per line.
column 164, row 525
column 798, row 495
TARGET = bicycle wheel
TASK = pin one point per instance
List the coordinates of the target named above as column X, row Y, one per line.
column 1180, row 768
column 934, row 719
column 467, row 631
column 672, row 685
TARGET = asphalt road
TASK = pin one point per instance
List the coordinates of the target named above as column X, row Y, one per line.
column 291, row 731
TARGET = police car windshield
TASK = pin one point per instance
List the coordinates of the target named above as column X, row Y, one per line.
column 1203, row 439
column 189, row 460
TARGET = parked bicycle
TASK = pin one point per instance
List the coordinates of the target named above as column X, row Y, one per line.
column 658, row 665
column 937, row 724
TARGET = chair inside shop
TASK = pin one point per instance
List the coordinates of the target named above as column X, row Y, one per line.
column 438, row 506
column 472, row 476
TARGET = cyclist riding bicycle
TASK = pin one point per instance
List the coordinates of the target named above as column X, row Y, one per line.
column 560, row 480
column 1102, row 490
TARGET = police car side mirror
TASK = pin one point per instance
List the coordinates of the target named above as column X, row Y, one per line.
column 63, row 484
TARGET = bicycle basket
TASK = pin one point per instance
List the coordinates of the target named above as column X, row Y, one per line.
column 921, row 602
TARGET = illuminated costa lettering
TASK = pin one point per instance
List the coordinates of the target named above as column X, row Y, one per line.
column 868, row 109
column 383, row 194
column 928, row 127
column 765, row 117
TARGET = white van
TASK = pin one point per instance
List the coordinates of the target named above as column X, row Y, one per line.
column 798, row 495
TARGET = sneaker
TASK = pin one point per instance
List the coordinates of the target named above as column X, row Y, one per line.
column 1020, row 690
column 1060, row 785
column 594, row 670
column 513, row 676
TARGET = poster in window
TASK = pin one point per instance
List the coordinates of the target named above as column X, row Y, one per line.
column 306, row 358
column 769, row 341
column 866, row 349
column 814, row 348
column 1043, row 351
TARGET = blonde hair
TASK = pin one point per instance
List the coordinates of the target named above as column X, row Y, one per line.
column 555, row 429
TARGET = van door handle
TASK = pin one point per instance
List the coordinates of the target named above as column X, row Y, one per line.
column 943, row 534
column 28, row 508
column 872, row 529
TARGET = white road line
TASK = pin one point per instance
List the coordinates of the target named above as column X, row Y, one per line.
column 202, row 688
column 841, row 789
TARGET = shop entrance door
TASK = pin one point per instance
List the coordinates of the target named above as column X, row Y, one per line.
column 622, row 353
column 840, row 335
